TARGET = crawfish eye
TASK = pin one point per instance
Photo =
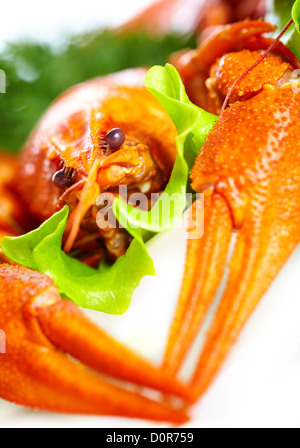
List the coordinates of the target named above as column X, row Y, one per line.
column 115, row 138
column 64, row 178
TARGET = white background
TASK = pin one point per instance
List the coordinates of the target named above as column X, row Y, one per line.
column 48, row 20
column 259, row 385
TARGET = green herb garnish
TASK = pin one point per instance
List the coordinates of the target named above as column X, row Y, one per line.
column 36, row 73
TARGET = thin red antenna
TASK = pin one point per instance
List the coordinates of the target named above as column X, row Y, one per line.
column 243, row 75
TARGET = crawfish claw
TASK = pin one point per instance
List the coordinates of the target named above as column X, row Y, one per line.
column 255, row 193
column 35, row 371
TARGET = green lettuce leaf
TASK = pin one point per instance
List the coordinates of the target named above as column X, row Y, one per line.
column 296, row 14
column 108, row 290
column 193, row 125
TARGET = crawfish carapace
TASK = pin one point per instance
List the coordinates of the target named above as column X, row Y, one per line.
column 249, row 170
column 100, row 135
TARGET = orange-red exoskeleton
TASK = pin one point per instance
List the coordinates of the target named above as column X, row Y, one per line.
column 248, row 169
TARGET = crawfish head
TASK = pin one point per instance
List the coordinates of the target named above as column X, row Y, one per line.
column 100, row 135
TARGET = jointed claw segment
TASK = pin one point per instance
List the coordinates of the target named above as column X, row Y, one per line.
column 41, row 329
column 195, row 66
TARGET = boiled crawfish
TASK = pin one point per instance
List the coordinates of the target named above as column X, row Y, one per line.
column 250, row 185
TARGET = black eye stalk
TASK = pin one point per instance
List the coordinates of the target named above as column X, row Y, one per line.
column 115, row 139
column 64, row 178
